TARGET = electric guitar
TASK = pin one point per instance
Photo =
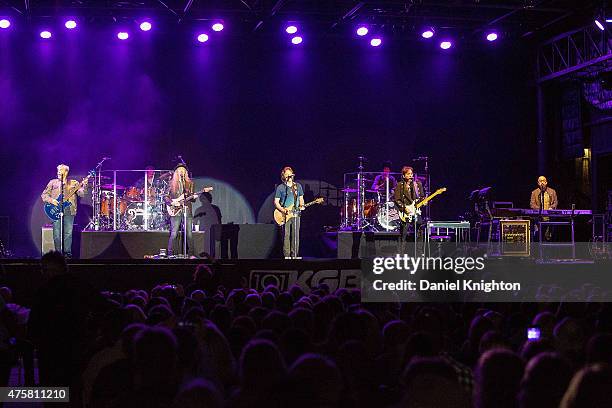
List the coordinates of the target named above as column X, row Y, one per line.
column 407, row 215
column 281, row 218
column 176, row 205
column 54, row 211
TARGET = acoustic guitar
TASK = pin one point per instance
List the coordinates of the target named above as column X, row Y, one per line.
column 281, row 218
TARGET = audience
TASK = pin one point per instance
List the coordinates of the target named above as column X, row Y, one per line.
column 209, row 346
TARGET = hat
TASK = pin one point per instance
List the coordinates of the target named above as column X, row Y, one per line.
column 181, row 165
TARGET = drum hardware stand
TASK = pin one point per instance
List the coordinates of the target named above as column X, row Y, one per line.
column 95, row 197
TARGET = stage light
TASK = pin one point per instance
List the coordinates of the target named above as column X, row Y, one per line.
column 145, row 26
column 123, row 35
column 297, row 40
column 4, row 23
column 599, row 24
column 291, row 29
column 70, row 24
column 45, row 34
column 361, row 31
column 203, row 38
column 491, row 36
column 375, row 42
column 428, row 32
column 217, row 27
column 445, row 45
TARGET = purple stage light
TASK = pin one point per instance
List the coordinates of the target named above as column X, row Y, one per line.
column 145, row 26
column 375, row 42
column 291, row 29
column 445, row 45
column 217, row 27
column 45, row 34
column 4, row 23
column 203, row 38
column 123, row 35
column 428, row 33
column 361, row 31
column 599, row 25
column 491, row 36
column 297, row 40
column 70, row 24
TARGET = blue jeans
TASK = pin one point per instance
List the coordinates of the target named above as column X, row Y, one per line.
column 174, row 246
column 68, row 223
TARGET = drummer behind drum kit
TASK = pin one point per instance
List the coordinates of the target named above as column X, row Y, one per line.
column 131, row 205
column 367, row 209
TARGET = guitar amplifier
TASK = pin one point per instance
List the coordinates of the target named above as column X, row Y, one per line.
column 47, row 240
column 515, row 237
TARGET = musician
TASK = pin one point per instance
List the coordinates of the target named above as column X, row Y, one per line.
column 380, row 181
column 408, row 191
column 287, row 194
column 543, row 197
column 70, row 188
column 180, row 184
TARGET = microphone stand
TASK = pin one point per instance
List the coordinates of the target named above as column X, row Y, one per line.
column 61, row 204
column 184, row 217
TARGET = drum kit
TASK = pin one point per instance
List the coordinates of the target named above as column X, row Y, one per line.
column 368, row 200
column 121, row 208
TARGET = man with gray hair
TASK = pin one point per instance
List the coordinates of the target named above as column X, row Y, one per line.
column 51, row 194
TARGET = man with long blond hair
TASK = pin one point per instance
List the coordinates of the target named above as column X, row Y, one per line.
column 180, row 184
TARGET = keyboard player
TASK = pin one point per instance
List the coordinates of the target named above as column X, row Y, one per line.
column 543, row 197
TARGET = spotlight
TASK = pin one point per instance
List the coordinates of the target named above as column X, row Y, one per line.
column 123, row 35
column 296, row 40
column 203, row 38
column 375, row 42
column 445, row 45
column 70, row 24
column 217, row 27
column 428, row 32
column 145, row 26
column 291, row 29
column 4, row 23
column 599, row 24
column 491, row 36
column 362, row 30
column 45, row 34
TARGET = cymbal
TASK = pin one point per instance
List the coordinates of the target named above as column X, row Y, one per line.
column 111, row 187
column 349, row 190
column 166, row 176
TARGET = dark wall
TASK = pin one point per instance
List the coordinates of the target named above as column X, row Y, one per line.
column 239, row 109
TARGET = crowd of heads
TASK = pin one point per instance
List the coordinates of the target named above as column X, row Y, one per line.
column 209, row 346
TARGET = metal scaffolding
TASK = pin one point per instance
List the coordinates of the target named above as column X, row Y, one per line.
column 584, row 50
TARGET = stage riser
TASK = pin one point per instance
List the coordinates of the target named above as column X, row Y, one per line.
column 227, row 241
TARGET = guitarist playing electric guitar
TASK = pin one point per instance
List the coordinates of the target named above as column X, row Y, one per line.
column 51, row 195
column 180, row 198
column 407, row 192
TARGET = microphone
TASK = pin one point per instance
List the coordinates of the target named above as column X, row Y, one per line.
column 420, row 158
column 106, row 158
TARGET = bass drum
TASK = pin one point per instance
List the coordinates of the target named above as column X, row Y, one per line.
column 388, row 217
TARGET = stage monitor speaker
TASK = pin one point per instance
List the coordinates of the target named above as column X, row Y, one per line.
column 47, row 240
column 353, row 245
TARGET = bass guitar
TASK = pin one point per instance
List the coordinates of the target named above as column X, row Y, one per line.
column 281, row 218
column 410, row 211
column 54, row 211
column 176, row 205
